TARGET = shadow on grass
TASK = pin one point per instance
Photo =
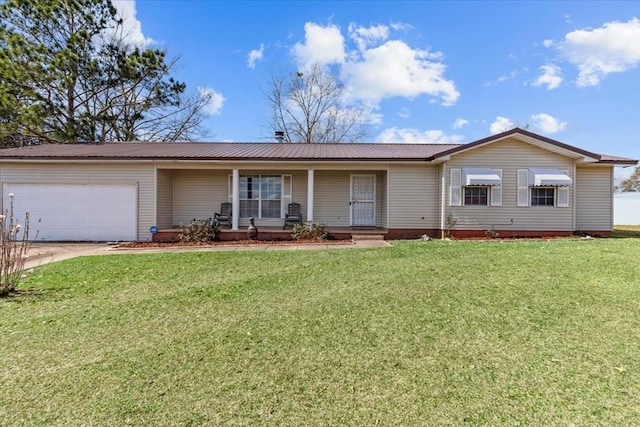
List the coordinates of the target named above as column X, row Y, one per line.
column 625, row 233
column 20, row 295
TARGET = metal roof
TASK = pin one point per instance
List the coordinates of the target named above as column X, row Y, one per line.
column 230, row 151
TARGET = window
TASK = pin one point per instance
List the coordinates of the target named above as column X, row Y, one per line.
column 543, row 196
column 260, row 196
column 475, row 187
column 476, row 196
column 544, row 187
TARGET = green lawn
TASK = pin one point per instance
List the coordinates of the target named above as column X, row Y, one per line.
column 423, row 333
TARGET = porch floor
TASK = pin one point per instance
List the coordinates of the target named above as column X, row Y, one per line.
column 277, row 233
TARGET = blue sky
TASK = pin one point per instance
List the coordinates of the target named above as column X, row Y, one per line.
column 426, row 71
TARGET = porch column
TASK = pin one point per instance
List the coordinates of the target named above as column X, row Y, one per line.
column 310, row 177
column 235, row 199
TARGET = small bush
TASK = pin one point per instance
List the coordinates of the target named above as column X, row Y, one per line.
column 492, row 233
column 314, row 232
column 13, row 249
column 199, row 230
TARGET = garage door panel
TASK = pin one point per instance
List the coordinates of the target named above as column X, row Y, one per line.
column 77, row 212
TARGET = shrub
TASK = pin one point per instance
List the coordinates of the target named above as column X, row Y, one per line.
column 313, row 232
column 199, row 230
column 13, row 248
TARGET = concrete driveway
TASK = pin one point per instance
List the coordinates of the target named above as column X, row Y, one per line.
column 44, row 253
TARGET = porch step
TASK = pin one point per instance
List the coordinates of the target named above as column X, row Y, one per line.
column 357, row 237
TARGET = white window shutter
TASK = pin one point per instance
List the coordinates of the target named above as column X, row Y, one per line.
column 496, row 190
column 287, row 187
column 230, row 189
column 455, row 187
column 563, row 195
column 523, row 187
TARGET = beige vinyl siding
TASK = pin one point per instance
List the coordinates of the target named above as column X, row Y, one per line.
column 413, row 197
column 299, row 191
column 94, row 173
column 509, row 156
column 164, row 198
column 332, row 193
column 594, row 200
column 197, row 194
column 331, row 198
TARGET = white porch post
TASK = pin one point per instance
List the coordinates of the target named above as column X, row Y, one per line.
column 235, row 212
column 310, row 177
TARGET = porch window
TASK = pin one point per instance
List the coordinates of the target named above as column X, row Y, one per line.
column 260, row 196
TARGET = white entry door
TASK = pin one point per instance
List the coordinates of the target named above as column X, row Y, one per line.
column 363, row 200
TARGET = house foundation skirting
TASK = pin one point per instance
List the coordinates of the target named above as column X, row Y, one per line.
column 515, row 234
column 346, row 233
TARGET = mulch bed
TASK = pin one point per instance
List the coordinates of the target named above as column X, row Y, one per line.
column 138, row 245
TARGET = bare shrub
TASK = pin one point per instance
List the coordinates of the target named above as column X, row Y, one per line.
column 14, row 245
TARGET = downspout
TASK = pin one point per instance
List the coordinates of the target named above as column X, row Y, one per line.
column 612, row 199
column 387, row 202
column 575, row 194
column 442, row 198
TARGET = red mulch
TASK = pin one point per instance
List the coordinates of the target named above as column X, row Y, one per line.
column 136, row 245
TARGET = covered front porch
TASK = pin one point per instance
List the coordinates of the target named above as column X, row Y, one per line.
column 345, row 201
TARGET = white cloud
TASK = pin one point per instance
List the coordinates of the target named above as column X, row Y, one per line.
column 551, row 77
column 547, row 43
column 395, row 69
column 612, row 48
column 254, row 56
column 372, row 67
column 401, row 26
column 405, row 113
column 131, row 27
column 415, row 136
column 501, row 124
column 504, row 78
column 322, row 45
column 546, row 123
column 215, row 100
column 365, row 37
column 460, row 123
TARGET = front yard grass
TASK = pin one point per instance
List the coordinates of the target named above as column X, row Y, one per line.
column 423, row 333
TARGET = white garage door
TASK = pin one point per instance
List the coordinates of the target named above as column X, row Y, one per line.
column 62, row 212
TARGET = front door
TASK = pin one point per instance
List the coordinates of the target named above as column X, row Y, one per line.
column 363, row 200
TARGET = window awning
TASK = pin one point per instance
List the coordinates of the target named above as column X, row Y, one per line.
column 549, row 178
column 480, row 176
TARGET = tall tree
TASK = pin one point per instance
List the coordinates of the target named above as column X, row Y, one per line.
column 67, row 75
column 632, row 183
column 307, row 106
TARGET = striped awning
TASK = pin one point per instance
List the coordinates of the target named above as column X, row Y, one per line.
column 480, row 176
column 549, row 178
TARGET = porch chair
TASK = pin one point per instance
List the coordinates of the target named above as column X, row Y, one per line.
column 224, row 216
column 293, row 215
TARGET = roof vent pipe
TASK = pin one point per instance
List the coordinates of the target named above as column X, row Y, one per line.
column 279, row 134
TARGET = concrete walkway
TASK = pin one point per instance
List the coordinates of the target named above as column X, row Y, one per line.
column 44, row 253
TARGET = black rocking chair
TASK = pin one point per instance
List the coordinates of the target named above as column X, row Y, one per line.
column 224, row 216
column 293, row 215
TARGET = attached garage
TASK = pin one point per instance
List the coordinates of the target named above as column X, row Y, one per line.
column 77, row 212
